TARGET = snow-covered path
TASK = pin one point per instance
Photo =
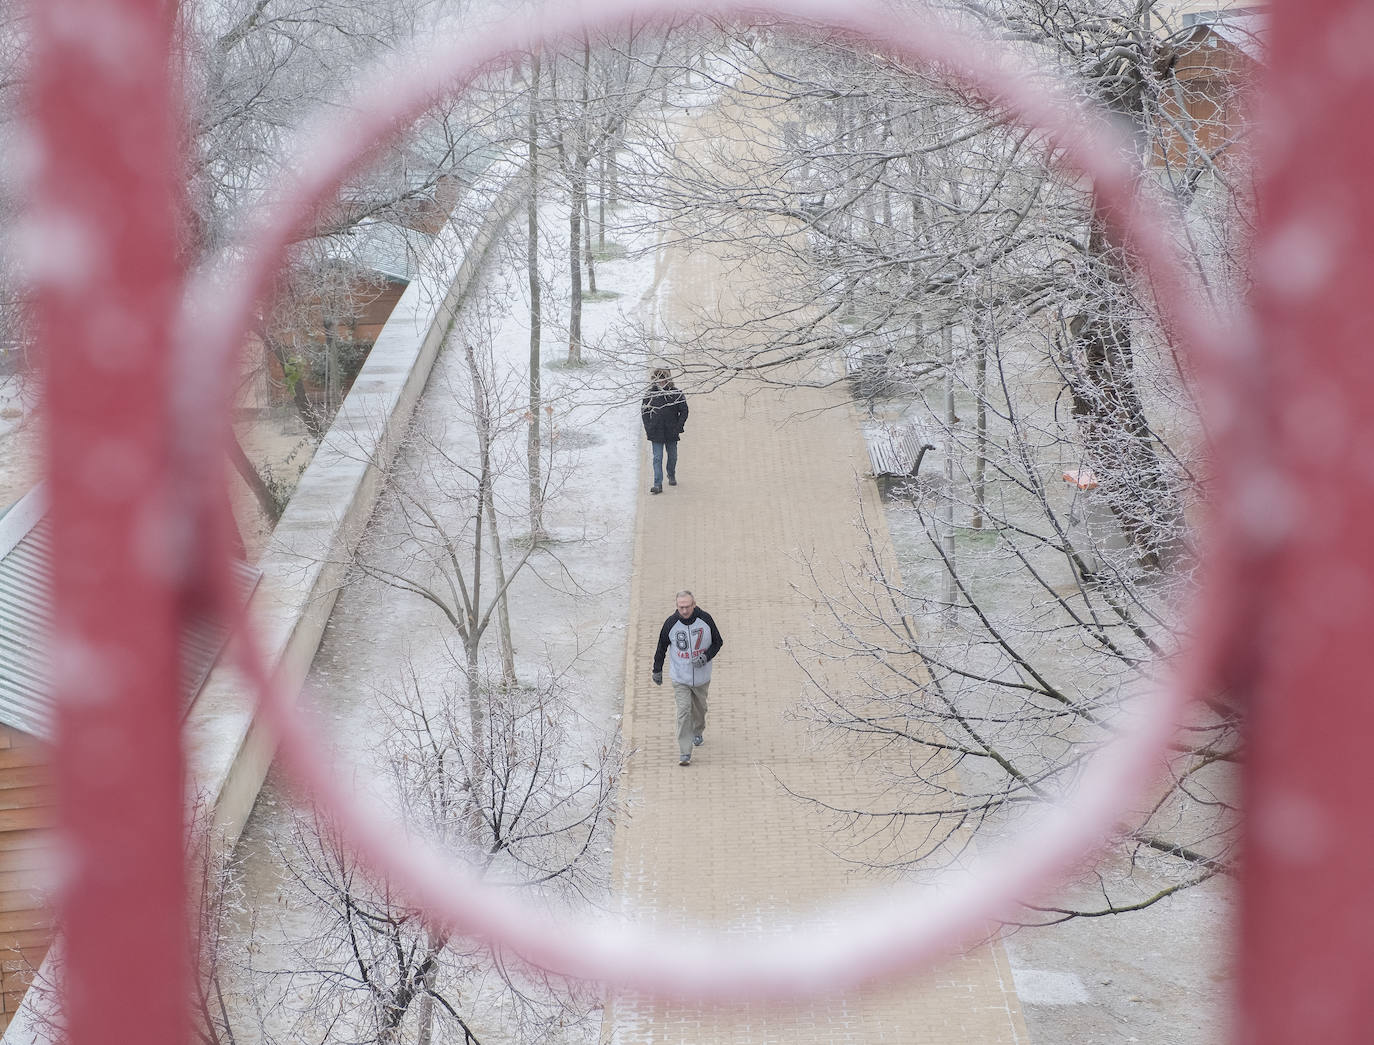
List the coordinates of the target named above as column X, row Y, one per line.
column 767, row 480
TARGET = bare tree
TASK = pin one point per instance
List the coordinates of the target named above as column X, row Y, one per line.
column 612, row 79
column 536, row 302
column 526, row 802
column 438, row 536
column 912, row 234
column 562, row 134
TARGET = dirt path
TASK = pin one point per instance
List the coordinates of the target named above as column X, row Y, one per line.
column 767, row 483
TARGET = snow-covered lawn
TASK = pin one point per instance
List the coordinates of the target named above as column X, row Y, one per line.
column 19, row 463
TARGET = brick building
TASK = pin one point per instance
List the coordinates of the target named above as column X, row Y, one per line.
column 334, row 303
column 1210, row 69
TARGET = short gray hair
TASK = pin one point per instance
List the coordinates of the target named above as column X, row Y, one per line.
column 689, row 595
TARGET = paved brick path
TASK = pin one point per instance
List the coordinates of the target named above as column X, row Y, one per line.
column 767, row 480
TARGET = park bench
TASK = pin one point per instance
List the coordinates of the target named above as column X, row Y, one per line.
column 896, row 450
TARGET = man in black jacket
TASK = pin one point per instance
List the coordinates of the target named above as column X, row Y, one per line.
column 664, row 412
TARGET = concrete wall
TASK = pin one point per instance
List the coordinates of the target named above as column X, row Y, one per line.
column 307, row 557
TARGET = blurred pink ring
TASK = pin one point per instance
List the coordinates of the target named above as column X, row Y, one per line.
column 888, row 933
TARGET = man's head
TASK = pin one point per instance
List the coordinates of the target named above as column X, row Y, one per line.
column 661, row 377
column 685, row 604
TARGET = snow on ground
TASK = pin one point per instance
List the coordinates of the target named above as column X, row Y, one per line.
column 19, row 457
column 1158, row 975
column 16, row 401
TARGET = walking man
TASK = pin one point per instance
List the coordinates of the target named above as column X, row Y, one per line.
column 664, row 412
column 695, row 641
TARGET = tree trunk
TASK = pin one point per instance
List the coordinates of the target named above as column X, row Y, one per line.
column 886, row 187
column 477, row 722
column 508, row 678
column 578, row 187
column 424, row 1015
column 861, row 143
column 471, row 633
column 309, row 416
column 1111, row 417
column 587, row 237
column 575, row 276
column 536, row 310
column 601, row 198
column 271, row 506
column 843, row 137
column 981, row 435
column 418, row 991
column 613, row 170
column 1116, row 435
column 477, row 756
column 332, row 383
column 429, row 980
column 947, row 508
column 482, row 417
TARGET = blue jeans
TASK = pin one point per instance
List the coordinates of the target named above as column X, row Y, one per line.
column 658, row 461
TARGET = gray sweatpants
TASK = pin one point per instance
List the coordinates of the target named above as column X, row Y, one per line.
column 691, row 714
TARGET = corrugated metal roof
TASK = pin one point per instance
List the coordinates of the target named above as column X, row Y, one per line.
column 26, row 619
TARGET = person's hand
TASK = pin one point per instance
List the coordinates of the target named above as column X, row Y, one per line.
column 658, row 678
column 699, row 659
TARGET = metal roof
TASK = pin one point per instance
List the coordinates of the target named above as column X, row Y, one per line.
column 391, row 250
column 26, row 620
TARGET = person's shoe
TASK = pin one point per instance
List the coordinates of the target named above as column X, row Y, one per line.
column 672, row 481
column 685, row 760
column 655, row 489
column 697, row 740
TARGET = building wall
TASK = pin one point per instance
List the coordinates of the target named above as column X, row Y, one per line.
column 1212, row 80
column 430, row 215
column 371, row 302
column 367, row 325
column 27, row 815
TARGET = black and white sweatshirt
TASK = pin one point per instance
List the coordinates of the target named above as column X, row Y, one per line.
column 695, row 641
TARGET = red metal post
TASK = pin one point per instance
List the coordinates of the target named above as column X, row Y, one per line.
column 104, row 185
column 1306, row 960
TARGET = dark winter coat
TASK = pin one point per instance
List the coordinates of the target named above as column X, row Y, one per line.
column 664, row 412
